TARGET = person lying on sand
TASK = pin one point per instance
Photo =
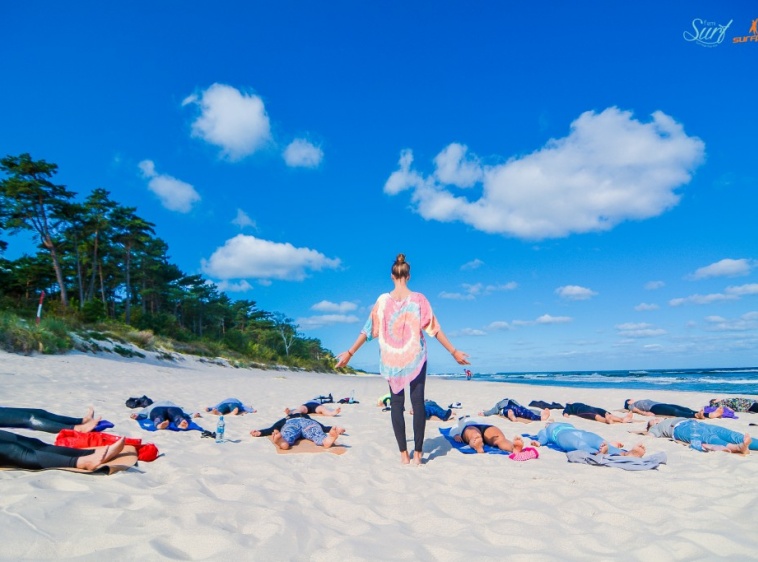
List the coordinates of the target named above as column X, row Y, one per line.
column 313, row 407
column 594, row 414
column 653, row 408
column 476, row 434
column 568, row 438
column 432, row 409
column 42, row 420
column 162, row 414
column 514, row 411
column 19, row 451
column 286, row 431
column 702, row 436
column 230, row 407
column 736, row 404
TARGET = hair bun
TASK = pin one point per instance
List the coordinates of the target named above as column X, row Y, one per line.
column 400, row 258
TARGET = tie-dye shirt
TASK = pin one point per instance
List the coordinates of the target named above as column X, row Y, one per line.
column 400, row 327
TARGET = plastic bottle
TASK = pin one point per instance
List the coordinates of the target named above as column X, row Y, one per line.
column 220, row 428
column 696, row 438
column 352, row 396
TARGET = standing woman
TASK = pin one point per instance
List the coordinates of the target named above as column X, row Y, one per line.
column 399, row 320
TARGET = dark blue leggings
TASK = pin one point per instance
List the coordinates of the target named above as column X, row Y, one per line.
column 672, row 410
column 170, row 413
column 18, row 451
column 397, row 402
column 33, row 418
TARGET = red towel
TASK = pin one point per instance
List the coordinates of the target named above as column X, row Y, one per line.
column 77, row 440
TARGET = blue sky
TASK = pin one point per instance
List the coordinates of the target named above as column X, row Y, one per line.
column 574, row 188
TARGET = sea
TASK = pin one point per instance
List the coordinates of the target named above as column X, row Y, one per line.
column 731, row 381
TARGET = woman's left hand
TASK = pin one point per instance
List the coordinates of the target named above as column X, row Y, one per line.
column 342, row 360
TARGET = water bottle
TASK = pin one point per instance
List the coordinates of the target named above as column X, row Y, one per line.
column 352, row 396
column 220, row 429
column 696, row 437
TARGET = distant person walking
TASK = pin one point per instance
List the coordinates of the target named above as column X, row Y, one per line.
column 398, row 320
column 468, row 374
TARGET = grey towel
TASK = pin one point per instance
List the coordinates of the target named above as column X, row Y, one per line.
column 626, row 463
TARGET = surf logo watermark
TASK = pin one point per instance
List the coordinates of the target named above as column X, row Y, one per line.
column 753, row 34
column 706, row 33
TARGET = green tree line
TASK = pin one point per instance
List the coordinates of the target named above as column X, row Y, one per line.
column 98, row 260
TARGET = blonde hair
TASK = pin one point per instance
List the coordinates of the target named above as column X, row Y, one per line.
column 401, row 269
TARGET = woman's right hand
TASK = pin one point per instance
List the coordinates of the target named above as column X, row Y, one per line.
column 342, row 360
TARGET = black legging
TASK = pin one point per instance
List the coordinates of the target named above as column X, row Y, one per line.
column 397, row 402
column 672, row 410
column 18, row 451
column 34, row 418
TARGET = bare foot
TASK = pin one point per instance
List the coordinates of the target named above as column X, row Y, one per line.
column 636, row 451
column 518, row 444
column 418, row 458
column 603, row 449
column 628, row 418
column 745, row 447
column 717, row 413
column 511, row 416
column 162, row 425
column 100, row 455
column 184, row 424
column 89, row 415
column 278, row 440
column 88, row 425
column 331, row 437
column 405, row 458
column 545, row 414
column 617, row 444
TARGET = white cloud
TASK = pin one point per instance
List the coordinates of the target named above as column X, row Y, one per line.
column 724, row 268
column 575, row 293
column 741, row 290
column 453, row 168
column 547, row 319
column 646, row 306
column 174, row 194
column 470, row 332
column 328, row 306
column 642, row 330
column 748, row 321
column 473, row 264
column 242, row 220
column 232, row 120
column 473, row 290
column 302, row 154
column 231, row 287
column 499, row 325
column 250, row 257
column 319, row 321
column 609, row 169
column 702, row 299
column 653, row 285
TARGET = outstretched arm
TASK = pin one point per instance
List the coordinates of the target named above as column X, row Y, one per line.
column 460, row 356
column 344, row 358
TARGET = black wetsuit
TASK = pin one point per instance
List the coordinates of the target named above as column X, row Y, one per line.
column 37, row 419
column 18, row 451
column 584, row 411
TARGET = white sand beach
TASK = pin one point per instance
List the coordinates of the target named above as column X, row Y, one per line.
column 240, row 500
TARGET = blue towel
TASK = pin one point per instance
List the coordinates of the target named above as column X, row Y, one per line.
column 626, row 463
column 148, row 425
column 465, row 449
column 102, row 425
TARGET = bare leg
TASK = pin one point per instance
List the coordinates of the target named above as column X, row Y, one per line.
column 545, row 414
column 494, row 437
column 474, row 439
column 741, row 449
column 513, row 418
column 162, row 425
column 324, row 411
